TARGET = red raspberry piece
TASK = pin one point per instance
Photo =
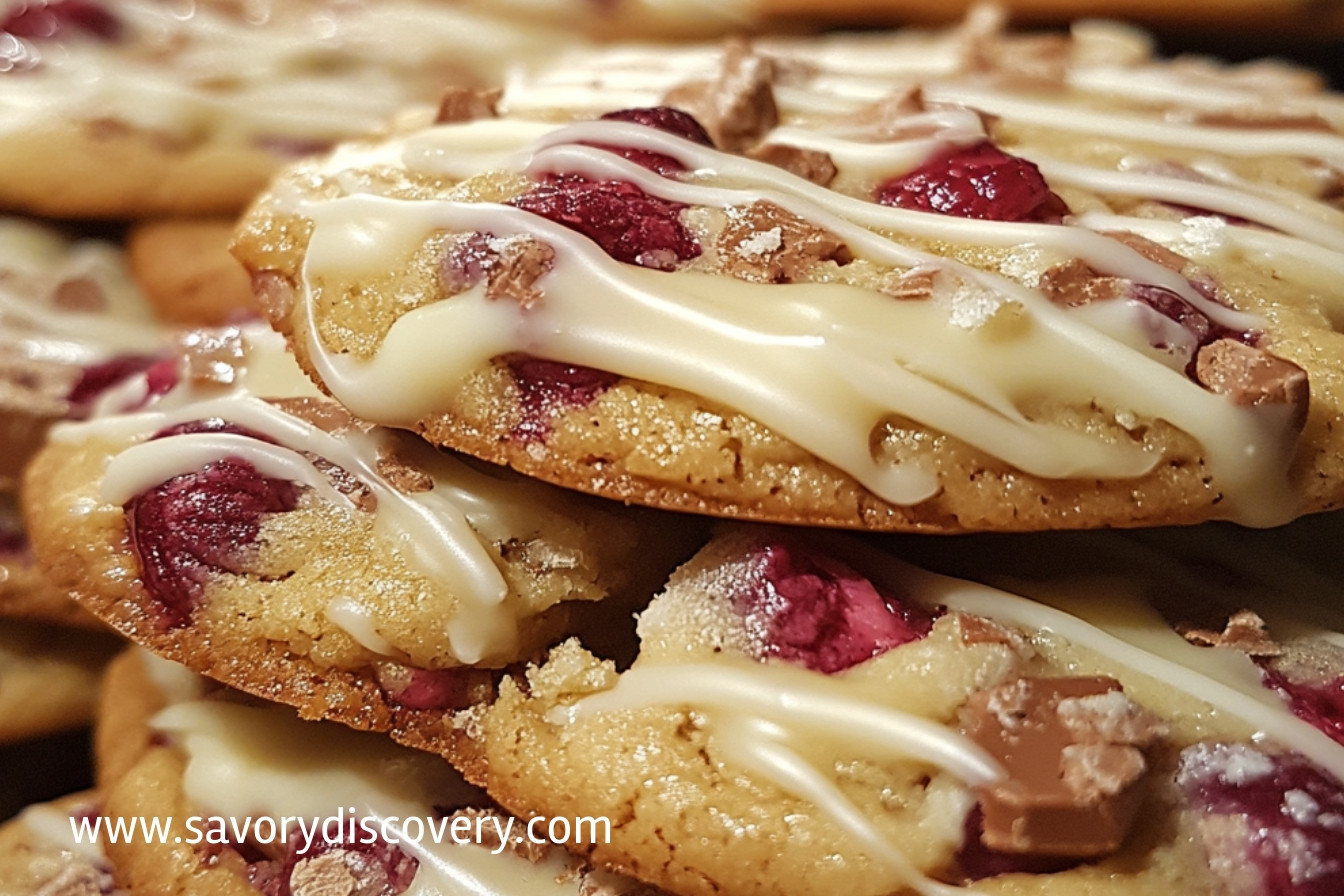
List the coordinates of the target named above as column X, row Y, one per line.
column 201, row 522
column 98, row 378
column 48, row 18
column 1318, row 703
column 664, row 118
column 816, row 611
column 630, row 225
column 979, row 181
column 1273, row 820
column 416, row 688
column 546, row 388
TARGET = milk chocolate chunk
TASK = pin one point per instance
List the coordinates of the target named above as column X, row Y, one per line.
column 1072, row 750
column 460, row 104
column 1252, row 376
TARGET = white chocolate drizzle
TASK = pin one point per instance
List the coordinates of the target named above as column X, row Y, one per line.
column 444, row 533
column 35, row 263
column 779, row 721
column 763, row 716
column 872, row 357
column 248, row 761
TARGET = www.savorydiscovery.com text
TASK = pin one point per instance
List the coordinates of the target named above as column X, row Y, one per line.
column 344, row 829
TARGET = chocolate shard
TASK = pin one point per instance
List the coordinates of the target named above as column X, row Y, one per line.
column 1073, row 752
column 1244, row 631
column 462, row 104
column 809, row 164
column 1253, row 377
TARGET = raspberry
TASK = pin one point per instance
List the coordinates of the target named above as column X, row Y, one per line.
column 197, row 523
column 664, row 118
column 48, row 18
column 1273, row 820
column 815, row 611
column 426, row 688
column 1318, row 703
column 545, row 388
column 630, row 225
column 979, row 181
column 98, row 378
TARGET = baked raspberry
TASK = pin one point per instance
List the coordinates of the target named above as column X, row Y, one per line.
column 424, row 688
column 979, row 181
column 546, row 388
column 629, row 224
column 815, row 611
column 201, row 522
column 98, row 378
column 50, row 18
column 1319, row 703
column 1273, row 824
column 664, row 118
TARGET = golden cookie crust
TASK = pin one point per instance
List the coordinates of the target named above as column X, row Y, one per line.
column 642, row 442
column 696, row 814
column 32, row 865
column 270, row 637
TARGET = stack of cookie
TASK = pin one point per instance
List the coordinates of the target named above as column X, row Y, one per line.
column 624, row 446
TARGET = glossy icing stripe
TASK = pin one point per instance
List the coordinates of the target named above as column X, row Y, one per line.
column 765, row 717
column 1120, row 125
column 436, row 531
column 247, row 761
column 621, row 318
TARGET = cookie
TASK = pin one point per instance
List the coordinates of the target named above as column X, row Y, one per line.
column 40, row 855
column 810, row 715
column 220, row 764
column 287, row 549
column 186, row 272
column 48, row 677
column 942, row 283
column 136, row 109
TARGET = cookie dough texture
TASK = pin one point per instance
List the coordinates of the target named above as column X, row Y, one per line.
column 690, row 816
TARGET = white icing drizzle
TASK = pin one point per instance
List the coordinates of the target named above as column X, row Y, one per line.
column 305, row 71
column 1269, row 212
column 35, row 261
column 763, row 716
column 1117, row 625
column 1120, row 125
column 443, row 533
column 768, row 717
column 621, row 318
column 246, row 761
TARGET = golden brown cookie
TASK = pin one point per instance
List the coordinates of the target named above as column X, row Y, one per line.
column 134, row 109
column 904, row 732
column 937, row 282
column 40, row 856
column 289, row 550
column 396, row 821
column 186, row 272
column 48, row 677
